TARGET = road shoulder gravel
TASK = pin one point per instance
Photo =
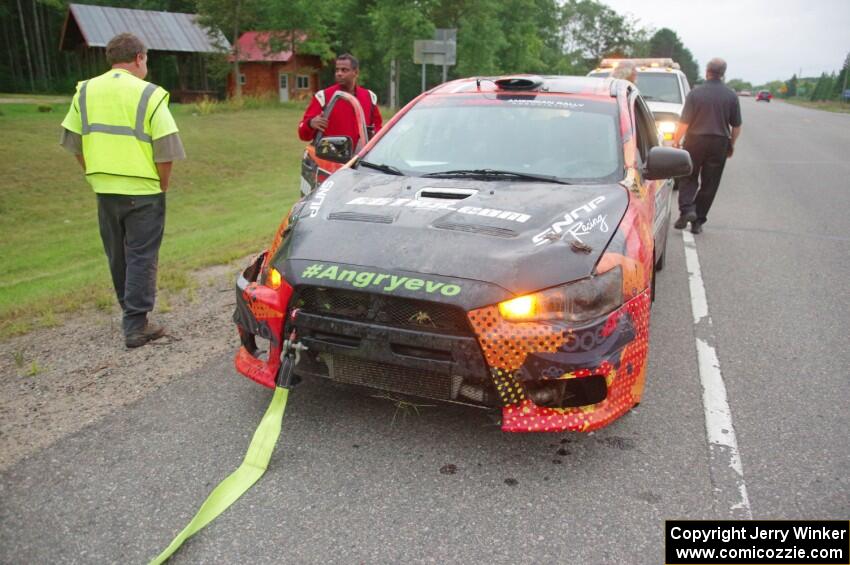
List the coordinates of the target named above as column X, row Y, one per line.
column 55, row 381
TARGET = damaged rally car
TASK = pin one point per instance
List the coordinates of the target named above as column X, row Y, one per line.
column 495, row 245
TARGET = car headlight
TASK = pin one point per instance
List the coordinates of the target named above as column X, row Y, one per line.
column 578, row 301
column 666, row 129
column 273, row 279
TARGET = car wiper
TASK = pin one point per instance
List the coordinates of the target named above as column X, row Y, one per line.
column 389, row 169
column 493, row 173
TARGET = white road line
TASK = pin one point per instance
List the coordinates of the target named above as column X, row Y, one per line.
column 723, row 447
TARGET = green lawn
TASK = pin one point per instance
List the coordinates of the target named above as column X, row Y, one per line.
column 225, row 201
column 832, row 106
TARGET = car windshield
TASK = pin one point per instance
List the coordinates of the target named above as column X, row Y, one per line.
column 559, row 137
column 658, row 87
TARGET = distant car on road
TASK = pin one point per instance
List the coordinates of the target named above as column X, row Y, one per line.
column 745, row 93
column 764, row 95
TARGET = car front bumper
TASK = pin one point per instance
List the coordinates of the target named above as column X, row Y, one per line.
column 260, row 312
column 541, row 368
column 546, row 377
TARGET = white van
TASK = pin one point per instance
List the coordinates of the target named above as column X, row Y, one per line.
column 662, row 84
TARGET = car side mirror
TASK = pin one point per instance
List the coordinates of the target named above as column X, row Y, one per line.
column 335, row 148
column 667, row 163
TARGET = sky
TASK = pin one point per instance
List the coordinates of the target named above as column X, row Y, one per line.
column 761, row 40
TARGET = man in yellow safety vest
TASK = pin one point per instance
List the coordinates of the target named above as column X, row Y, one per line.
column 120, row 130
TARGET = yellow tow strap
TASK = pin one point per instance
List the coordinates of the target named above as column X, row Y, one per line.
column 230, row 489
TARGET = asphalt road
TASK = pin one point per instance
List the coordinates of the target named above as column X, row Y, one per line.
column 357, row 480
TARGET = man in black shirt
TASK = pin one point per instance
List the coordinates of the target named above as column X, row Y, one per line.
column 710, row 111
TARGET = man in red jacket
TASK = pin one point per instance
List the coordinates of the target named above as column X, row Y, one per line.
column 343, row 120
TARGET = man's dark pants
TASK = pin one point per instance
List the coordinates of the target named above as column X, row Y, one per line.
column 131, row 228
column 696, row 192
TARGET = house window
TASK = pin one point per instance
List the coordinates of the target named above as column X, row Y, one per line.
column 242, row 79
column 302, row 82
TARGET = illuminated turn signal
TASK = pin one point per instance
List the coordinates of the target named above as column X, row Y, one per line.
column 519, row 309
column 273, row 279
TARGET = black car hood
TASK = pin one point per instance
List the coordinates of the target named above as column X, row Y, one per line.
column 522, row 236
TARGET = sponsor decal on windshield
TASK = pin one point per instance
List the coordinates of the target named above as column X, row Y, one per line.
column 441, row 205
column 578, row 223
column 384, row 281
column 546, row 103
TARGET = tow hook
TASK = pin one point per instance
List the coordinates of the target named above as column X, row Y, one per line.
column 286, row 377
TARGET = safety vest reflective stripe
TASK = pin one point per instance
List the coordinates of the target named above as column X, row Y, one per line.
column 141, row 111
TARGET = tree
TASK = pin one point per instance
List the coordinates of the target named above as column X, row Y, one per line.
column 792, row 87
column 776, row 87
column 300, row 26
column 395, row 26
column 839, row 85
column 526, row 28
column 232, row 17
column 480, row 34
column 841, row 81
column 26, row 45
column 591, row 31
column 823, row 88
column 737, row 84
column 665, row 43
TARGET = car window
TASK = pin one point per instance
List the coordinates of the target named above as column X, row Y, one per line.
column 571, row 139
column 685, row 86
column 647, row 134
column 659, row 87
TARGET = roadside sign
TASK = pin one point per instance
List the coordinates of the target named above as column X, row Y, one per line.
column 846, row 94
column 434, row 52
column 446, row 34
column 440, row 51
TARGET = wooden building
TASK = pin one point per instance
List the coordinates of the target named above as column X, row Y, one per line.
column 89, row 28
column 264, row 72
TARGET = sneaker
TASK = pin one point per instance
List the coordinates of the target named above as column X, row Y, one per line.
column 149, row 333
column 683, row 220
column 696, row 227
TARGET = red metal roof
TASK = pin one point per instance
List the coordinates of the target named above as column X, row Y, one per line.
column 253, row 47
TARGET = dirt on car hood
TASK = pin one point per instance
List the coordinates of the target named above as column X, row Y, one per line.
column 519, row 235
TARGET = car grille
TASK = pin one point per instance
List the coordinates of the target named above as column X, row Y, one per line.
column 382, row 376
column 384, row 310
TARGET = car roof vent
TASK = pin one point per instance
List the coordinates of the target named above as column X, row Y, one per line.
column 526, row 82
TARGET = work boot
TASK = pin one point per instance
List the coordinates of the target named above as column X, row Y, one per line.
column 696, row 227
column 149, row 333
column 683, row 220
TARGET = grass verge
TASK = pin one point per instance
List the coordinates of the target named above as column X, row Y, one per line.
column 832, row 106
column 225, row 201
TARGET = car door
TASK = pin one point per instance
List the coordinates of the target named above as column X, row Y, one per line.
column 659, row 191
